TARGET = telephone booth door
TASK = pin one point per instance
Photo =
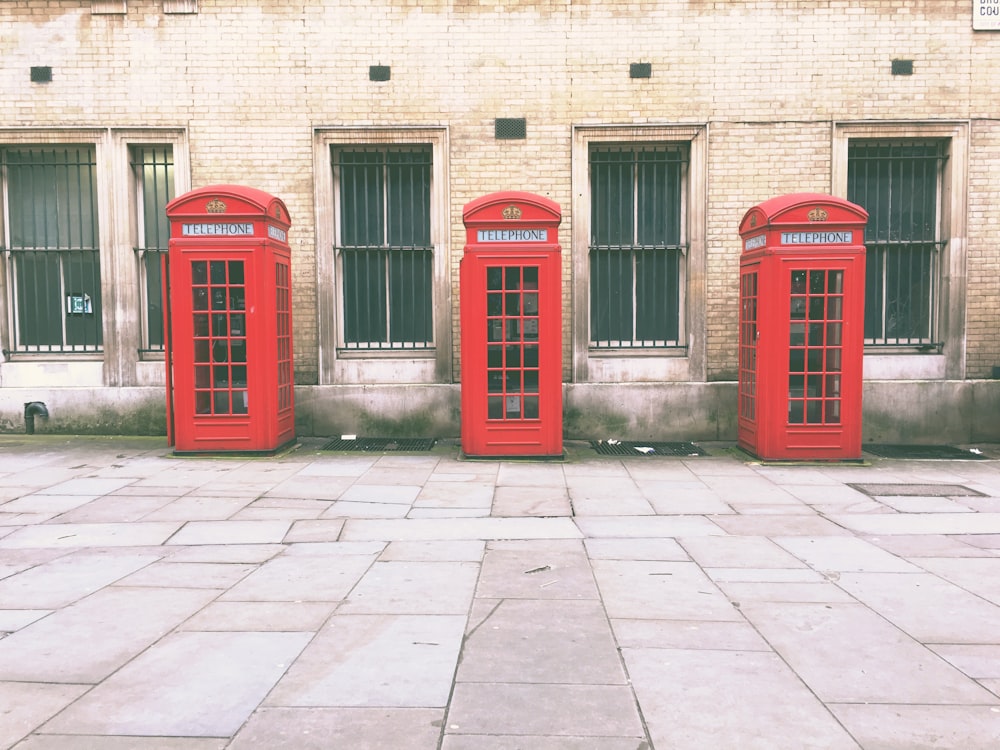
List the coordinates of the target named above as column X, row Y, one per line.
column 229, row 332
column 511, row 317
column 801, row 328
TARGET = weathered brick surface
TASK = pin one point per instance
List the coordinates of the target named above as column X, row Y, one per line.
column 251, row 79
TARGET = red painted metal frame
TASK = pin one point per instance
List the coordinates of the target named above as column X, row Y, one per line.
column 801, row 333
column 505, row 412
column 255, row 264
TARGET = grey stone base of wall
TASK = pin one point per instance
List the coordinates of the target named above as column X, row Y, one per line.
column 966, row 411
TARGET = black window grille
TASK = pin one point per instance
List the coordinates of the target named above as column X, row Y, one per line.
column 637, row 245
column 899, row 184
column 153, row 188
column 385, row 251
column 51, row 248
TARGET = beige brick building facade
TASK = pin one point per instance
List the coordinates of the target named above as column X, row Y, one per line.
column 754, row 99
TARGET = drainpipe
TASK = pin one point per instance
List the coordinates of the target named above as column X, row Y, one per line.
column 33, row 409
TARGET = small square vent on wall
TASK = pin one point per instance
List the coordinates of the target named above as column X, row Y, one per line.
column 510, row 128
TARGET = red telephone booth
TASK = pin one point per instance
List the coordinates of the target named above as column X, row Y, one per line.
column 229, row 337
column 801, row 335
column 511, row 312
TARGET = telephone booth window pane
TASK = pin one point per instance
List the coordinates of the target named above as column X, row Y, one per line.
column 513, row 319
column 199, row 272
column 220, row 337
column 836, row 285
column 203, row 402
column 531, row 407
column 495, row 407
column 513, row 356
column 813, row 390
column 531, row 381
column 795, row 412
column 201, row 351
column 531, row 355
column 200, row 325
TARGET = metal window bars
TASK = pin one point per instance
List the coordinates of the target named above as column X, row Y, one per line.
column 385, row 255
column 638, row 244
column 899, row 183
column 153, row 187
column 51, row 248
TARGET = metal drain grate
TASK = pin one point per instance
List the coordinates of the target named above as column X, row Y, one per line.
column 639, row 448
column 940, row 452
column 412, row 445
column 917, row 490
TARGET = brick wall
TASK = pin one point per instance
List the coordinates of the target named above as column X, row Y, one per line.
column 250, row 80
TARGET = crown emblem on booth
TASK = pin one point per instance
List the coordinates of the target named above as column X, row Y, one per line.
column 512, row 212
column 215, row 206
column 818, row 214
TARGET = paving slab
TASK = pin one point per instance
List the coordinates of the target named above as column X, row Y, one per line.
column 737, row 635
column 57, row 583
column 426, row 529
column 594, row 711
column 540, row 641
column 738, row 551
column 354, row 728
column 524, row 742
column 454, row 551
column 43, row 741
column 844, row 554
column 65, row 535
column 407, row 587
column 305, row 578
column 978, row 662
column 86, row 642
column 26, row 706
column 635, row 549
column 926, row 607
column 916, row 523
column 846, row 653
column 640, row 527
column 231, row 532
column 288, row 617
column 379, row 661
column 530, row 502
column 892, row 727
column 536, row 572
column 188, row 685
column 638, row 589
column 721, row 699
column 981, row 576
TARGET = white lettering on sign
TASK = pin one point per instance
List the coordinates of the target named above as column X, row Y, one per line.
column 986, row 15
column 513, row 235
column 817, row 238
column 752, row 243
column 277, row 234
column 226, row 230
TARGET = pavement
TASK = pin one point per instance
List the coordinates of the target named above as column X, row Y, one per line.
column 422, row 601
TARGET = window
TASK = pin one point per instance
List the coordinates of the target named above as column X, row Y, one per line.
column 637, row 244
column 899, row 183
column 51, row 248
column 384, row 248
column 153, row 187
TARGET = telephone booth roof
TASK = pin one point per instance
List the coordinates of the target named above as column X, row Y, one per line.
column 229, row 201
column 489, row 209
column 800, row 209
